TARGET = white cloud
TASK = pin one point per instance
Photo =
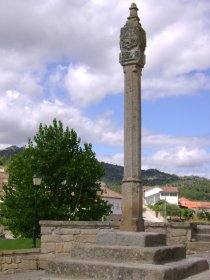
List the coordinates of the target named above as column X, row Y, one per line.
column 117, row 159
column 180, row 157
column 17, row 130
column 178, row 41
column 177, row 29
column 163, row 86
column 12, row 95
column 87, row 87
column 155, row 140
column 179, row 160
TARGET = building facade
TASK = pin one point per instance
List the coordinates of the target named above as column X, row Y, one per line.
column 156, row 193
column 3, row 180
column 114, row 198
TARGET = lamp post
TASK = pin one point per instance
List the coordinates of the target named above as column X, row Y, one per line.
column 36, row 182
column 98, row 193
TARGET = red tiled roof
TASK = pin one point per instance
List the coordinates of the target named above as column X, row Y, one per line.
column 194, row 204
column 170, row 189
column 108, row 193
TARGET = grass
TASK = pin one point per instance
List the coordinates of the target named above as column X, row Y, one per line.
column 19, row 243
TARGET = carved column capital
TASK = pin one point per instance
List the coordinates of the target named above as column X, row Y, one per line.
column 132, row 40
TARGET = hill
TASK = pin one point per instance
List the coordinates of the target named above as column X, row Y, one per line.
column 9, row 152
column 191, row 187
column 150, row 177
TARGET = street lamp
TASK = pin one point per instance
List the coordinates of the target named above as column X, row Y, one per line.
column 36, row 182
column 98, row 193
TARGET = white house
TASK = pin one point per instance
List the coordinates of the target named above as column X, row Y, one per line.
column 153, row 194
column 113, row 198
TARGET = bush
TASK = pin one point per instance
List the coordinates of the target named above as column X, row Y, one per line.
column 203, row 215
column 187, row 214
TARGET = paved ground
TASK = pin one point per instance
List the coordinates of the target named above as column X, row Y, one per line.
column 149, row 216
column 37, row 275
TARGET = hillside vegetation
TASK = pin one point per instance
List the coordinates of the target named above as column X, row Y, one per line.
column 150, row 177
column 191, row 187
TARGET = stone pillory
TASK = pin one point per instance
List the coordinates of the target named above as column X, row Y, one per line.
column 132, row 58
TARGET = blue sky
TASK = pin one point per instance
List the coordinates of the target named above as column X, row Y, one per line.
column 59, row 58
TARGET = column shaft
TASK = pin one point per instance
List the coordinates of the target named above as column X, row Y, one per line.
column 131, row 186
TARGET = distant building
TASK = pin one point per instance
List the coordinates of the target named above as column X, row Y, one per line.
column 195, row 205
column 3, row 180
column 114, row 198
column 156, row 193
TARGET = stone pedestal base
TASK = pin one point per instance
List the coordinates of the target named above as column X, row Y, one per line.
column 127, row 256
column 132, row 212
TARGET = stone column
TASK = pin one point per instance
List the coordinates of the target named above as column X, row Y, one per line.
column 132, row 58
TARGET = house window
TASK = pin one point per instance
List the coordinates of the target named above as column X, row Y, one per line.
column 173, row 194
column 168, row 194
column 164, row 194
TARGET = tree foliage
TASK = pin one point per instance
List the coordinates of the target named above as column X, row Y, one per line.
column 70, row 187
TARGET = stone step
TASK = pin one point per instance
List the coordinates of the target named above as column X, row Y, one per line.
column 102, row 270
column 203, row 237
column 154, row 255
column 203, row 229
column 201, row 276
column 54, row 277
column 41, row 275
column 124, row 238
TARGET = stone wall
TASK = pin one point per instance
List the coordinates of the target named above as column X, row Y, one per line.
column 13, row 261
column 58, row 237
column 176, row 232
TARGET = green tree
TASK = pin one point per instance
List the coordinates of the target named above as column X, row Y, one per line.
column 70, row 187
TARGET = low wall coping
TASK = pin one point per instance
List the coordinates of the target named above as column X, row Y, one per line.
column 20, row 251
column 79, row 224
column 155, row 224
column 169, row 224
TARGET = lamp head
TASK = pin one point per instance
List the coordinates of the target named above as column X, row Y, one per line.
column 37, row 180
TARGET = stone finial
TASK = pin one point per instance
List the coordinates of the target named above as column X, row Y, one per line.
column 132, row 40
column 133, row 11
